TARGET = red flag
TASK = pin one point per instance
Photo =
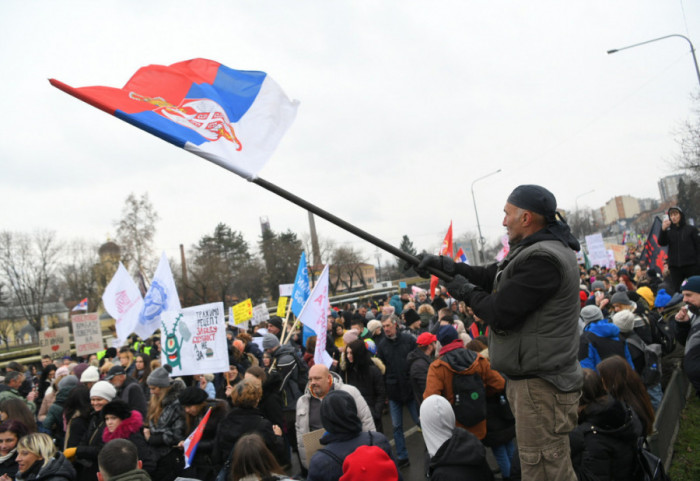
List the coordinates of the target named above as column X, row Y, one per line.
column 445, row 250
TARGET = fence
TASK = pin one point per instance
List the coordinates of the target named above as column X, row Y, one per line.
column 668, row 417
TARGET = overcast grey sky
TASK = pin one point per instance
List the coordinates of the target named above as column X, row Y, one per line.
column 403, row 105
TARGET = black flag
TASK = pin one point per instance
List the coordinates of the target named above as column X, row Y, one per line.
column 653, row 254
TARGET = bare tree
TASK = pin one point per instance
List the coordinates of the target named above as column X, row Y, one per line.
column 29, row 264
column 78, row 273
column 346, row 266
column 135, row 232
column 688, row 159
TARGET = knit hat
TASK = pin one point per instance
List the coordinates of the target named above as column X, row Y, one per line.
column 692, row 284
column 80, row 369
column 275, row 321
column 534, row 198
column 373, row 325
column 437, row 422
column 411, row 316
column 91, row 374
column 270, row 341
column 598, row 285
column 624, row 320
column 425, row 339
column 371, row 346
column 62, row 371
column 160, row 377
column 103, row 389
column 68, row 382
column 591, row 314
column 620, row 288
column 369, row 462
column 621, row 298
column 447, row 334
column 350, row 336
column 662, row 298
column 117, row 408
column 339, row 413
column 647, row 295
column 191, row 396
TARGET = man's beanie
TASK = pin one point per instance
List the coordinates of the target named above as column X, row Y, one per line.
column 662, row 298
column 160, row 377
column 620, row 298
column 598, row 285
column 191, row 396
column 624, row 320
column 80, row 369
column 591, row 314
column 411, row 316
column 103, row 389
column 117, row 408
column 275, row 321
column 369, row 462
column 446, row 335
column 692, row 284
column 534, row 198
column 270, row 341
column 68, row 382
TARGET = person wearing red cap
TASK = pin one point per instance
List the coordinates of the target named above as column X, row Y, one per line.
column 418, row 363
column 369, row 462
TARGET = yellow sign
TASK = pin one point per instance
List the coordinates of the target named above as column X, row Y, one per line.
column 243, row 311
column 282, row 307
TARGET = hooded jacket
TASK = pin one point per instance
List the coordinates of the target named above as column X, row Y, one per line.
column 58, row 469
column 343, row 435
column 370, row 383
column 600, row 340
column 286, row 365
column 454, row 359
column 133, row 475
column 130, row 429
column 683, row 243
column 610, row 431
column 418, row 364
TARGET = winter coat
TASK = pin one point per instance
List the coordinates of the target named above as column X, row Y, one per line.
column 54, row 417
column 303, row 412
column 133, row 475
column 76, row 429
column 394, row 353
column 610, row 430
column 460, row 458
column 203, row 466
column 455, row 359
column 131, row 392
column 169, row 429
column 131, row 429
column 369, row 383
column 286, row 365
column 272, row 403
column 683, row 243
column 89, row 447
column 418, row 364
column 9, row 466
column 600, row 340
column 324, row 464
column 58, row 469
column 240, row 421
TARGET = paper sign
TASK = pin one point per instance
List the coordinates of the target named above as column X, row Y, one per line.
column 87, row 334
column 55, row 342
column 597, row 253
column 260, row 314
column 402, row 285
column 194, row 340
column 243, row 311
column 243, row 326
column 282, row 307
column 611, row 259
column 286, row 290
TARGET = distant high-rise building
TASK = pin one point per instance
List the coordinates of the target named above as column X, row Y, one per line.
column 264, row 225
column 668, row 187
column 620, row 207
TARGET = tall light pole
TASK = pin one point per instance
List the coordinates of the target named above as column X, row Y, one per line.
column 578, row 222
column 478, row 225
column 581, row 195
column 692, row 49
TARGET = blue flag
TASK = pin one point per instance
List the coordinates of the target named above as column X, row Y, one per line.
column 301, row 290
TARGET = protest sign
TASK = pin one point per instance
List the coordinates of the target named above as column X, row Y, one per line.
column 260, row 314
column 282, row 307
column 87, row 334
column 286, row 290
column 243, row 326
column 55, row 343
column 597, row 253
column 243, row 311
column 194, row 340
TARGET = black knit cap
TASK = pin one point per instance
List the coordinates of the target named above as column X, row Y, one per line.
column 534, row 198
column 117, row 408
column 191, row 396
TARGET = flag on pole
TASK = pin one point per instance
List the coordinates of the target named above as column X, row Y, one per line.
column 122, row 300
column 653, row 254
column 461, row 257
column 82, row 306
column 302, row 287
column 314, row 315
column 505, row 249
column 161, row 297
column 445, row 250
column 233, row 118
column 192, row 441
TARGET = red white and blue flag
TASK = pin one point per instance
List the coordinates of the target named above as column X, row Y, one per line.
column 233, row 118
column 446, row 249
column 461, row 257
column 82, row 306
column 192, row 440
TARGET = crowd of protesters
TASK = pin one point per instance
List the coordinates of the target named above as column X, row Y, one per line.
column 276, row 414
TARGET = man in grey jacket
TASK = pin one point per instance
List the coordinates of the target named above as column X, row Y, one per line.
column 308, row 418
column 530, row 301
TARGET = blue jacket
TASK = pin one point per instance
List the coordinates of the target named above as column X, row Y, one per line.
column 600, row 340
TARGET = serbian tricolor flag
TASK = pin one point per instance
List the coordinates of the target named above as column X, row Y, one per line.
column 192, row 440
column 82, row 306
column 461, row 257
column 445, row 250
column 233, row 118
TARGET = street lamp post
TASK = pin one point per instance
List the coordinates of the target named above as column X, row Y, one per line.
column 478, row 225
column 692, row 49
column 578, row 217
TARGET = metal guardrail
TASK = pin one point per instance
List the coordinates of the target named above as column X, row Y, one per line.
column 668, row 417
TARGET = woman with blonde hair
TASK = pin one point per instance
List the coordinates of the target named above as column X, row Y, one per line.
column 38, row 460
column 126, row 360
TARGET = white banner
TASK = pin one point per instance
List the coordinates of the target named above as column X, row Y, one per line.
column 286, row 290
column 597, row 253
column 122, row 300
column 87, row 334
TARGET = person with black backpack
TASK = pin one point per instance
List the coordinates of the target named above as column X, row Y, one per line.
column 465, row 379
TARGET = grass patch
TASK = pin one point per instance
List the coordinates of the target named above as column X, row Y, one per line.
column 685, row 465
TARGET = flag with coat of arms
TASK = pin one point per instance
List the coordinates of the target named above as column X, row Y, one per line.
column 161, row 297
column 82, row 305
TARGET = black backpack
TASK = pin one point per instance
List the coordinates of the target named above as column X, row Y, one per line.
column 469, row 399
column 651, row 374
